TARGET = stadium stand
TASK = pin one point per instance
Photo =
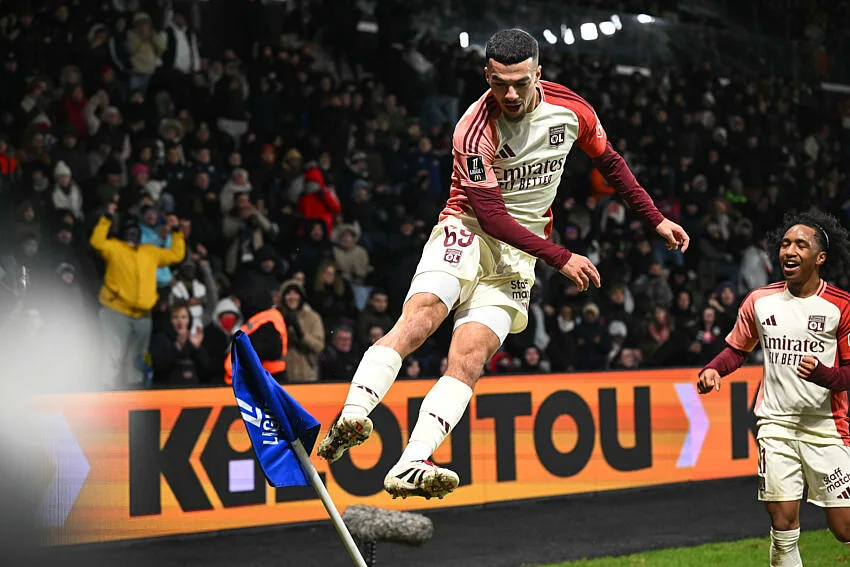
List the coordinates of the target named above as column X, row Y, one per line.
column 312, row 151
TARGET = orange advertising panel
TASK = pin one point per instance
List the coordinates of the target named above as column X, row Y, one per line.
column 147, row 464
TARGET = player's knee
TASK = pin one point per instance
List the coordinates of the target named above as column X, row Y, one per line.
column 784, row 524
column 467, row 368
column 421, row 322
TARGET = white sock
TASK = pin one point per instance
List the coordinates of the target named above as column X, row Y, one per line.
column 441, row 409
column 783, row 548
column 376, row 373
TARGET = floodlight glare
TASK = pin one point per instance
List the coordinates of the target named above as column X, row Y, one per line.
column 589, row 31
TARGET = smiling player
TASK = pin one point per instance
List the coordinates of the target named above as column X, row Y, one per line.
column 803, row 325
column 509, row 152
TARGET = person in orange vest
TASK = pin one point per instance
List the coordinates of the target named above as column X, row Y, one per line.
column 267, row 331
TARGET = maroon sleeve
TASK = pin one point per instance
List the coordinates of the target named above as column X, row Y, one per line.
column 835, row 379
column 489, row 208
column 728, row 361
column 613, row 167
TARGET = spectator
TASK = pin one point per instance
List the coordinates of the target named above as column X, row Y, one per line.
column 533, row 362
column 619, row 333
column 245, row 230
column 315, row 249
column 339, row 360
column 331, row 295
column 306, row 333
column 145, row 46
column 593, row 339
column 501, row 363
column 177, row 355
column 352, row 259
column 629, row 359
column 72, row 153
column 716, row 262
column 227, row 319
column 198, row 296
column 375, row 334
column 652, row 290
column 270, row 338
column 9, row 171
column 236, row 185
column 659, row 328
column 66, row 193
column 755, row 267
column 725, row 304
column 683, row 310
column 230, row 96
column 129, row 293
column 257, row 283
column 563, row 347
column 181, row 56
column 411, row 369
column 374, row 315
column 709, row 338
column 318, row 201
column 155, row 231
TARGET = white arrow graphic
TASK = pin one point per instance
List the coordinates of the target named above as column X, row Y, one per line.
column 697, row 425
column 72, row 469
column 248, row 413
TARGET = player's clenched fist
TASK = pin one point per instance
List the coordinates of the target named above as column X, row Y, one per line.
column 581, row 271
column 709, row 380
column 806, row 367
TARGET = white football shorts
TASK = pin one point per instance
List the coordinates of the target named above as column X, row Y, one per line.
column 786, row 464
column 490, row 272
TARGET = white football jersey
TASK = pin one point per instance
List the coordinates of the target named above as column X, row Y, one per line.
column 524, row 158
column 790, row 328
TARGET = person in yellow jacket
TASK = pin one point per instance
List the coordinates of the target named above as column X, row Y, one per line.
column 129, row 293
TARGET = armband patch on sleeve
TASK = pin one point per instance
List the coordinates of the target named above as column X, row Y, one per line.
column 475, row 169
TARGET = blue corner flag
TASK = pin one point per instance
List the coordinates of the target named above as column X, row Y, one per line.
column 273, row 418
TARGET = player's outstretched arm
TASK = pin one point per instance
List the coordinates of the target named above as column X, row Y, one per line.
column 729, row 360
column 613, row 168
column 489, row 207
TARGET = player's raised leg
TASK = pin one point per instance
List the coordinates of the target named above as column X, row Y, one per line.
column 784, row 533
column 478, row 334
column 422, row 314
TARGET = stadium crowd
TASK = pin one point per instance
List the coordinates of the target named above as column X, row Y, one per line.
column 298, row 177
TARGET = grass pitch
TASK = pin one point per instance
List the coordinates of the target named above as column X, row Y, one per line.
column 817, row 548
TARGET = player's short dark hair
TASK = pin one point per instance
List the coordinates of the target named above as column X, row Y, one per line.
column 831, row 237
column 511, row 46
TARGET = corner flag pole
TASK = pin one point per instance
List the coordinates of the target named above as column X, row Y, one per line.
column 320, row 489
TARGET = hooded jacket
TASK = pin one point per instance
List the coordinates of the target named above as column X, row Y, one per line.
column 318, row 202
column 306, row 337
column 217, row 339
column 129, row 284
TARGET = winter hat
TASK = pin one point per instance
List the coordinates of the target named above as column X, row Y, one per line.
column 289, row 285
column 591, row 307
column 61, row 169
column 618, row 329
column 138, row 169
